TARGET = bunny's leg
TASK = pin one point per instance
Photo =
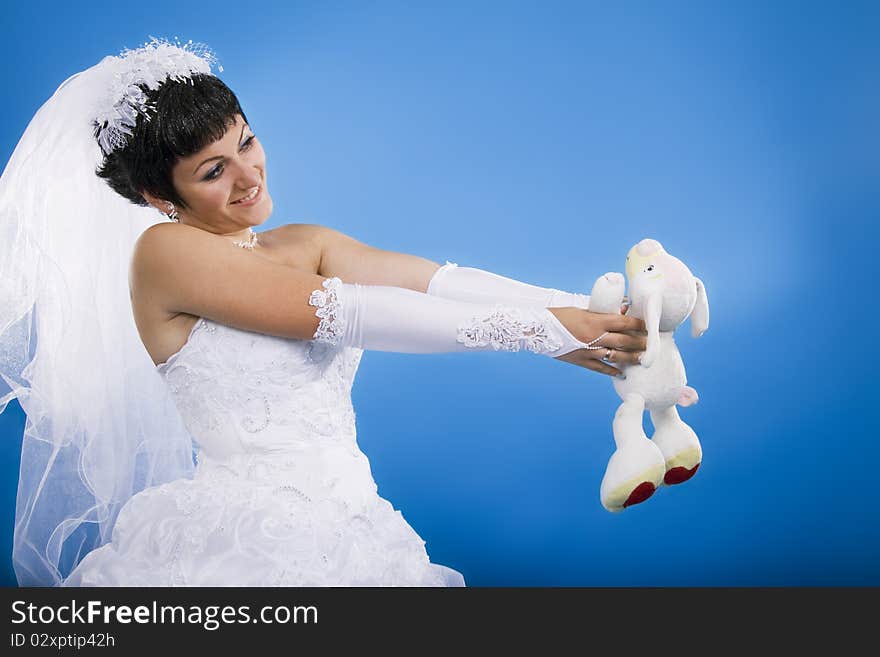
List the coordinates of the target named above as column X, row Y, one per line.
column 636, row 468
column 679, row 444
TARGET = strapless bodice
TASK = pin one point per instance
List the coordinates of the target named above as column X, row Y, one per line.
column 267, row 408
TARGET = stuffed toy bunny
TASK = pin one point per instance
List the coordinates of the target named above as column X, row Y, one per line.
column 662, row 292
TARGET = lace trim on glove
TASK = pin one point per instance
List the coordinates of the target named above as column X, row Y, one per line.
column 331, row 329
column 508, row 329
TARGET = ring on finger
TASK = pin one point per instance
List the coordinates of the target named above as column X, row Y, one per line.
column 608, row 355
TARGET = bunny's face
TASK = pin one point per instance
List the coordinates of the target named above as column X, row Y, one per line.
column 649, row 270
column 642, row 261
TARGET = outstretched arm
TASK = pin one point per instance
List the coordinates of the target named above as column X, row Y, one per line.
column 480, row 286
column 386, row 318
column 197, row 273
column 357, row 262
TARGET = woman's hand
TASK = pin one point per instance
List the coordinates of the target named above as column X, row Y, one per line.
column 624, row 343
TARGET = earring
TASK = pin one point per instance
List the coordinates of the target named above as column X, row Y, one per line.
column 172, row 213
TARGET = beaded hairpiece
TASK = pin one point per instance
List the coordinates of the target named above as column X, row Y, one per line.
column 150, row 65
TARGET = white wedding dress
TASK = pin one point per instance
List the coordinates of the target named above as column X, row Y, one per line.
column 282, row 495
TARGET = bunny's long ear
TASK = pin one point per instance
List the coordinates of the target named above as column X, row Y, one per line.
column 653, row 310
column 700, row 313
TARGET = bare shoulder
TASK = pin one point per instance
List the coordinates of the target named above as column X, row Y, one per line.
column 301, row 231
column 157, row 242
column 162, row 329
column 179, row 273
column 158, row 235
column 295, row 245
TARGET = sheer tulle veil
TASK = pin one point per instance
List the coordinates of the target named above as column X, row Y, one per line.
column 100, row 424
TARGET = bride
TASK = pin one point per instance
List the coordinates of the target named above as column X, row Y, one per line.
column 211, row 441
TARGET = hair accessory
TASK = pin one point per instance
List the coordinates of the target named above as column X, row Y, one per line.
column 151, row 65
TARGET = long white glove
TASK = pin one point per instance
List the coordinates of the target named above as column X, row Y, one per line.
column 480, row 286
column 385, row 318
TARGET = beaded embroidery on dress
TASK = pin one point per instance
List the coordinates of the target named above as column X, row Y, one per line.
column 282, row 495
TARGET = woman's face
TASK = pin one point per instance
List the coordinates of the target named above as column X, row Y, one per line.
column 224, row 184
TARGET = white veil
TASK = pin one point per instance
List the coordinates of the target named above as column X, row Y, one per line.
column 101, row 425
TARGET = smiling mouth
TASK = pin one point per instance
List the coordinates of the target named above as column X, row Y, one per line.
column 253, row 194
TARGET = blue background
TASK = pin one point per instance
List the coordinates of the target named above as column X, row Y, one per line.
column 540, row 141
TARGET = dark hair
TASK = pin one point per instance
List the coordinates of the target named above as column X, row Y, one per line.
column 185, row 117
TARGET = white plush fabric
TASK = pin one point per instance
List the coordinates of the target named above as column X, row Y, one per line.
column 664, row 293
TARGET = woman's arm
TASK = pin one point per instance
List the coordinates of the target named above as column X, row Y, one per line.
column 355, row 262
column 183, row 269
column 386, row 318
column 481, row 286
column 195, row 272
